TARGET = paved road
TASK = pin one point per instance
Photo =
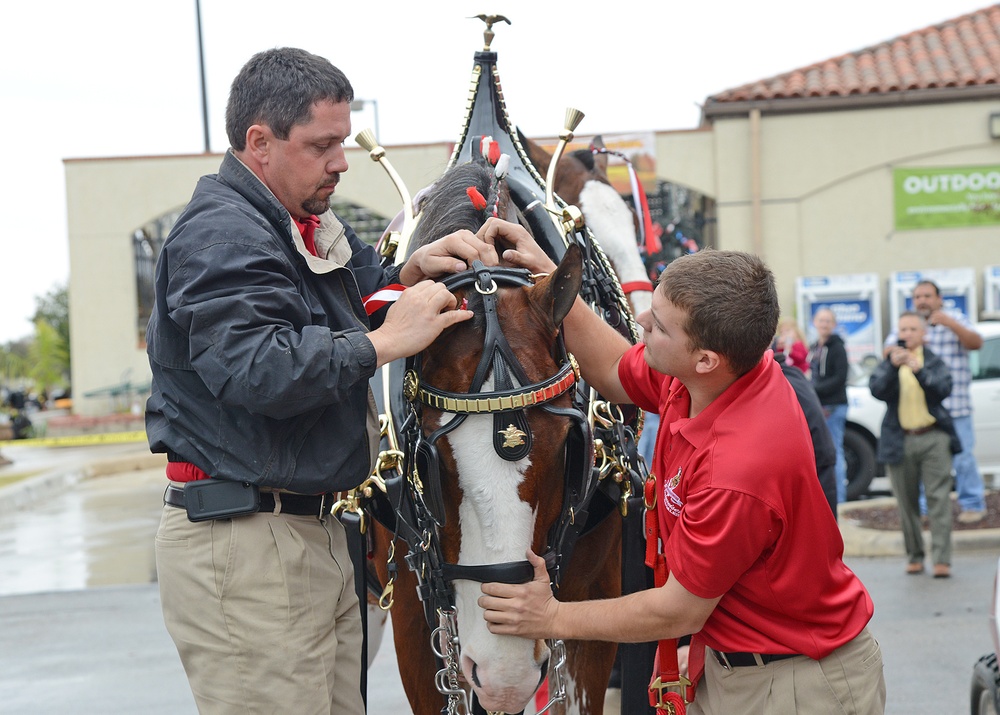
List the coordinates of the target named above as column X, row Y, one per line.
column 81, row 631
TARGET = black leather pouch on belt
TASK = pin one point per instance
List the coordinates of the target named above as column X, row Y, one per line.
column 206, row 499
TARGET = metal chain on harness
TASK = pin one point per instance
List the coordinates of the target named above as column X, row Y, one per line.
column 557, row 674
column 611, row 458
column 444, row 643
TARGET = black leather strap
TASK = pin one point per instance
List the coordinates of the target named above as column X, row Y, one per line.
column 506, row 572
column 358, row 547
column 297, row 504
column 744, row 660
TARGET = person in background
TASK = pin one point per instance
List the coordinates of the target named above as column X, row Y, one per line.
column 950, row 336
column 917, row 440
column 828, row 369
column 792, row 344
column 261, row 350
column 822, row 441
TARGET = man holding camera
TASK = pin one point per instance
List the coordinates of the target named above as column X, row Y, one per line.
column 917, row 440
column 950, row 336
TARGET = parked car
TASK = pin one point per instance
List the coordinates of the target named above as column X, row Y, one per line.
column 864, row 417
column 985, row 694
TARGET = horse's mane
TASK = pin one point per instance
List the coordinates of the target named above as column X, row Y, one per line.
column 447, row 206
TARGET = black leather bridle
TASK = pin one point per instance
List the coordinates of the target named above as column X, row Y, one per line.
column 418, row 501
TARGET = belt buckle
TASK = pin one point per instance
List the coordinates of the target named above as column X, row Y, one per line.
column 322, row 505
column 722, row 659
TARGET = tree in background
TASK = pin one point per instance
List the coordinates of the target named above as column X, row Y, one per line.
column 14, row 361
column 49, row 358
column 43, row 358
column 53, row 309
column 50, row 355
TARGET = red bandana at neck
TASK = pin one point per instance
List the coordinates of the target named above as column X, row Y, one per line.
column 307, row 227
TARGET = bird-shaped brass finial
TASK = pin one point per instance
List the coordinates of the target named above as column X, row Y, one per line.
column 489, row 34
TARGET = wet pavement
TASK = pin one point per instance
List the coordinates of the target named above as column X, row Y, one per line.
column 84, row 535
column 81, row 630
column 80, row 624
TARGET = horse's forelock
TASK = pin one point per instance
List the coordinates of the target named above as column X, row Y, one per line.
column 447, row 207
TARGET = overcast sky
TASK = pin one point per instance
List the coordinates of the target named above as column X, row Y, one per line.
column 120, row 78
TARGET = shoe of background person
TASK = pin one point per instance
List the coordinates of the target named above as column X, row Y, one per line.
column 971, row 516
column 942, row 571
column 914, row 568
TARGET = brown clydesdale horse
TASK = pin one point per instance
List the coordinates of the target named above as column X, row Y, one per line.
column 582, row 180
column 495, row 481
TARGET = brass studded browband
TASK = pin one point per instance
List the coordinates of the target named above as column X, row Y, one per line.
column 484, row 402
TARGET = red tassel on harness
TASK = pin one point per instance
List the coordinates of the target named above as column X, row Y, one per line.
column 477, row 198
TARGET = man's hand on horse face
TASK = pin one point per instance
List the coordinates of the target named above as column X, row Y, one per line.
column 414, row 321
column 527, row 610
column 453, row 253
column 521, row 249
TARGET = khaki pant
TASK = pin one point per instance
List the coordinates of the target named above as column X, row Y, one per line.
column 263, row 612
column 927, row 461
column 849, row 681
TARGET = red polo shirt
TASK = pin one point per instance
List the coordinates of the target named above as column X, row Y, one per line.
column 742, row 514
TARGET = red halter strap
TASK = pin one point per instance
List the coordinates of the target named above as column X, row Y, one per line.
column 668, row 689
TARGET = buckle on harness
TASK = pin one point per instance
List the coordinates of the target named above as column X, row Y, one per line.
column 649, row 492
column 669, row 696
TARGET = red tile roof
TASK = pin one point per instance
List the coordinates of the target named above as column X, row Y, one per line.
column 964, row 52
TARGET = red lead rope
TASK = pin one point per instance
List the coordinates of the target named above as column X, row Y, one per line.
column 665, row 683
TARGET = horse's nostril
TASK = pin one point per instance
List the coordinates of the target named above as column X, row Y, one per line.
column 475, row 676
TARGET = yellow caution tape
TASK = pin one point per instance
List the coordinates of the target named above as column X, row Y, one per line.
column 78, row 440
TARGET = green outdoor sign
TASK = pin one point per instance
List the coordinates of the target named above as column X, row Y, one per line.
column 948, row 197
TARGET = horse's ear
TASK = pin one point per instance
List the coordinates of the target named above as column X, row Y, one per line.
column 538, row 156
column 600, row 158
column 563, row 285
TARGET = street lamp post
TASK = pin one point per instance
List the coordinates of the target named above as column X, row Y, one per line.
column 201, row 69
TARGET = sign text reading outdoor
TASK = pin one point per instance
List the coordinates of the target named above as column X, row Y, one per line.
column 947, row 197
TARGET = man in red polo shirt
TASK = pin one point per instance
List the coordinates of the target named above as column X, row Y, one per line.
column 747, row 554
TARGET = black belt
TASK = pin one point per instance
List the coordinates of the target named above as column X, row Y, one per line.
column 742, row 660
column 297, row 504
column 922, row 430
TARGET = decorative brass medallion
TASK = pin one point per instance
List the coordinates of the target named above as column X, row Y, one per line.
column 512, row 437
column 411, row 384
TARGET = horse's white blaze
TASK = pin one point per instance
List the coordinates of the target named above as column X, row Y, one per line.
column 496, row 527
column 611, row 222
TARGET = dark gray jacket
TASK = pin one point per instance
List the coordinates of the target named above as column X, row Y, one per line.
column 259, row 356
column 935, row 380
column 822, row 441
column 828, row 368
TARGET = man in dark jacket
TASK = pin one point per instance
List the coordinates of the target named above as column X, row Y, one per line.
column 917, row 441
column 261, row 352
column 828, row 369
column 826, row 454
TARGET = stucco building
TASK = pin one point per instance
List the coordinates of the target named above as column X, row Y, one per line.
column 824, row 170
